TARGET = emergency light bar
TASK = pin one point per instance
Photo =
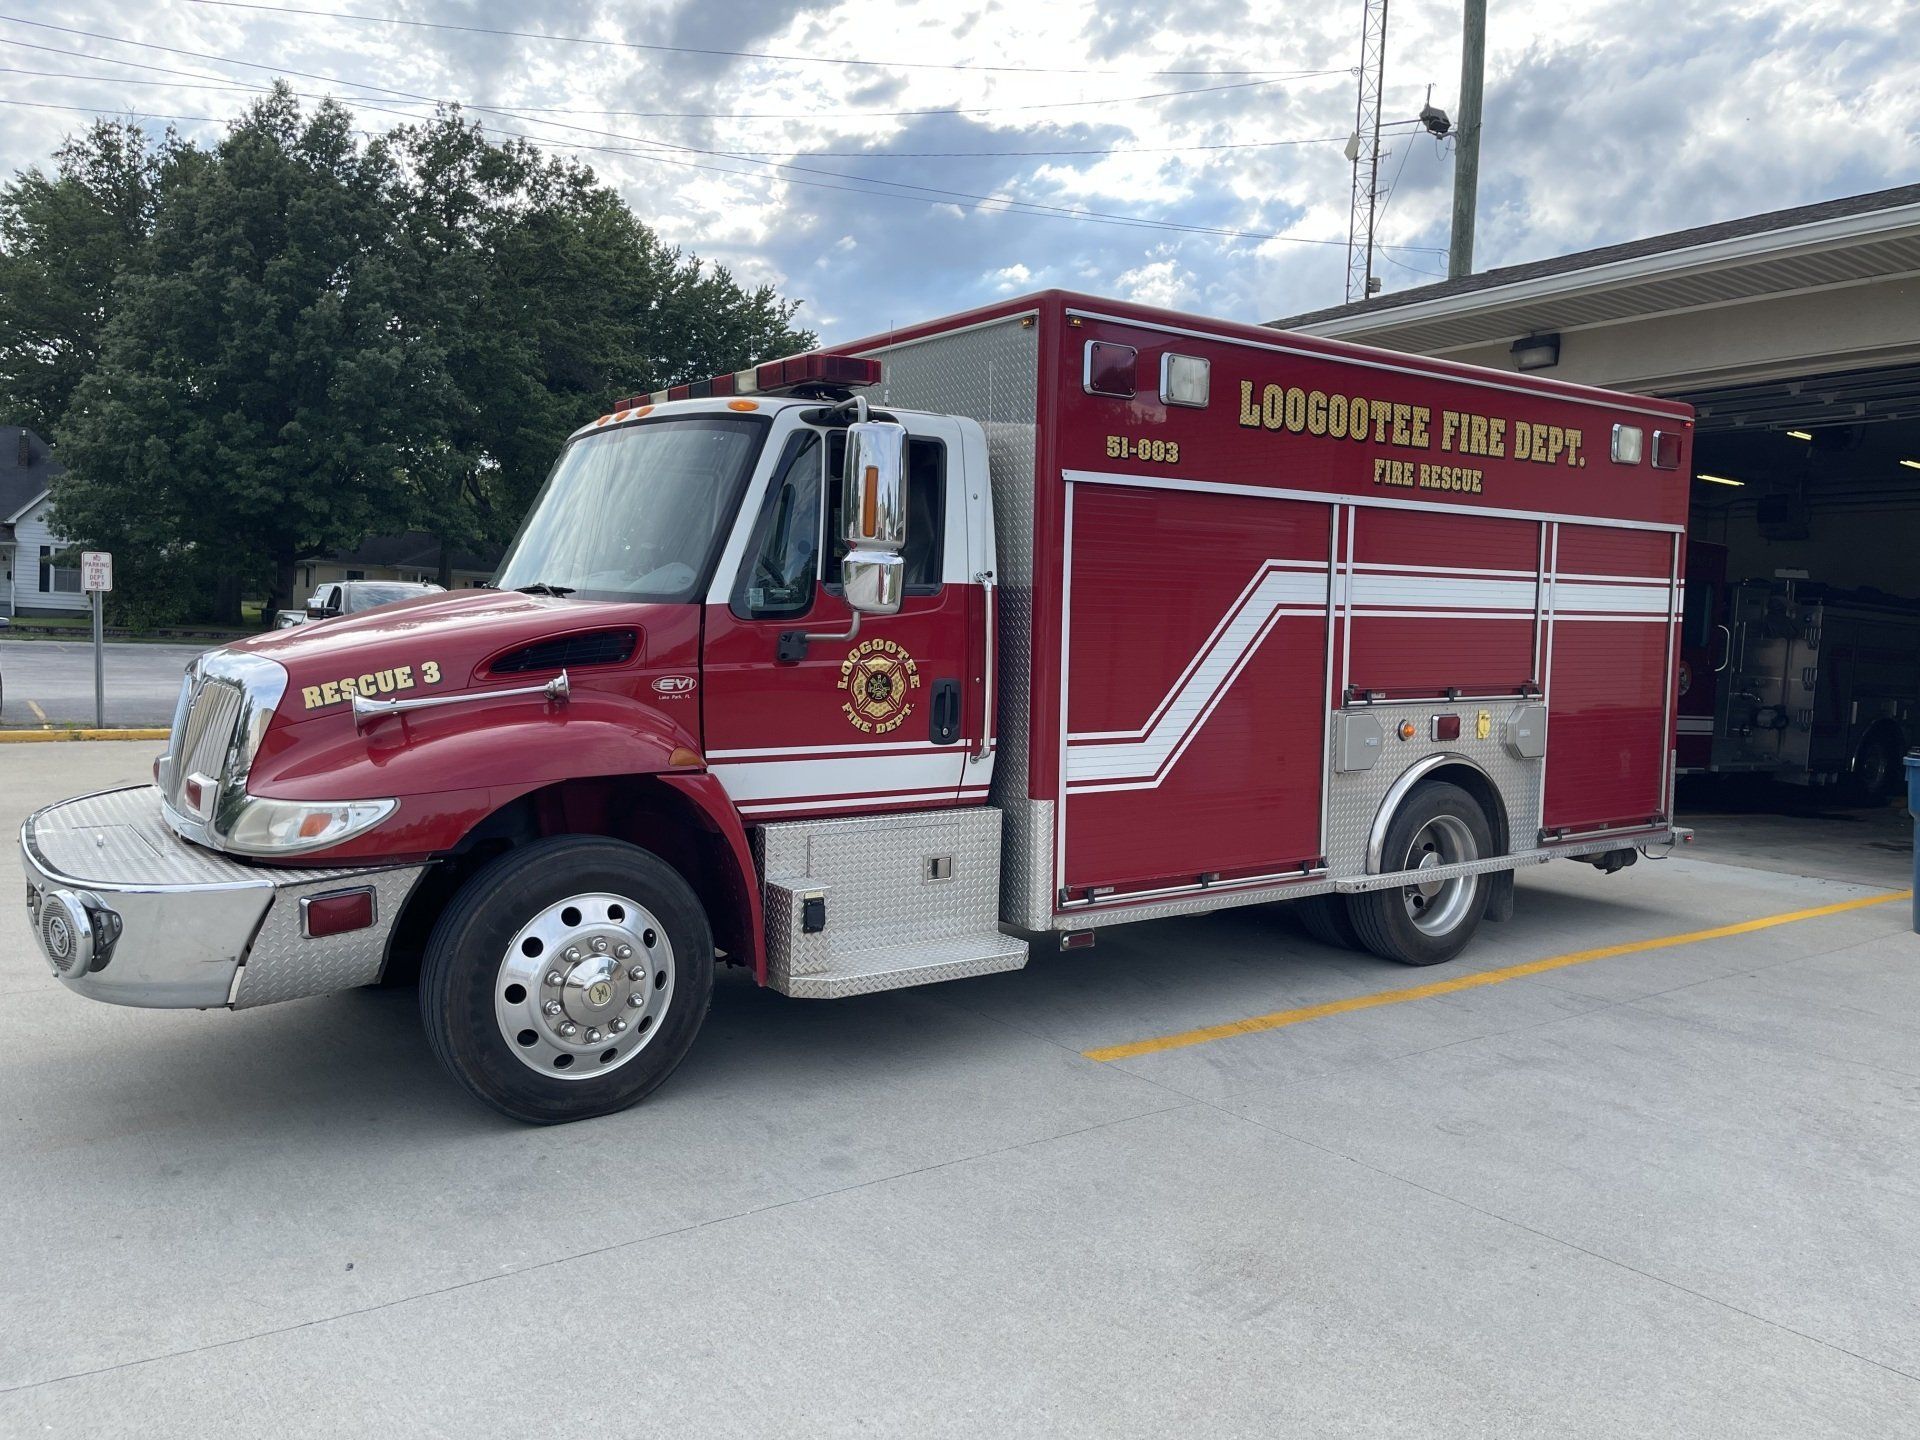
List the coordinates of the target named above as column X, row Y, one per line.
column 776, row 377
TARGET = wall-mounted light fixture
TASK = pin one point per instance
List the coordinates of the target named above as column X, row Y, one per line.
column 1536, row 352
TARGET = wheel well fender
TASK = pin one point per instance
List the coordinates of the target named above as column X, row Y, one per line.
column 686, row 819
column 1454, row 769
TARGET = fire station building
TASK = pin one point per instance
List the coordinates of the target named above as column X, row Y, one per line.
column 1795, row 334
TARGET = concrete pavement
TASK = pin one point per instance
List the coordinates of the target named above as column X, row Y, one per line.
column 51, row 681
column 1668, row 1192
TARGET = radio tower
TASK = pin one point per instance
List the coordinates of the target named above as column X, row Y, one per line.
column 1364, row 151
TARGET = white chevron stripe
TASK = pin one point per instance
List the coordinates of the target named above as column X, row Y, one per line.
column 1276, row 592
column 1099, row 760
column 1315, row 570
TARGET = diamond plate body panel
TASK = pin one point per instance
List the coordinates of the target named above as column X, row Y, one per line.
column 1354, row 798
column 992, row 374
column 888, row 924
column 283, row 964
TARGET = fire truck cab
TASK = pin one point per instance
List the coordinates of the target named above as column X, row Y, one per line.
column 867, row 668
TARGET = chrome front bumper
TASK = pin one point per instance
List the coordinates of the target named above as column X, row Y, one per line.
column 127, row 912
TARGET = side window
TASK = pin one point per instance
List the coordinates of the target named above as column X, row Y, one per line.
column 926, row 513
column 785, row 558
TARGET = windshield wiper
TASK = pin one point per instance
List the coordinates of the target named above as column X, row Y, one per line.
column 540, row 587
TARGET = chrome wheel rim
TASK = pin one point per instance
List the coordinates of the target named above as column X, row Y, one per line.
column 584, row 986
column 1436, row 907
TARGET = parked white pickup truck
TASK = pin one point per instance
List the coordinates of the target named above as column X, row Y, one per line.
column 350, row 597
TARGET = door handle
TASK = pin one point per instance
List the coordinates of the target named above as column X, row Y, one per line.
column 1726, row 658
column 945, row 728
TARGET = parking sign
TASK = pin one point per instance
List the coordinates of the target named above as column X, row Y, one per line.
column 96, row 571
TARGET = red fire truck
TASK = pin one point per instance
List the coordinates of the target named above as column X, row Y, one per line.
column 867, row 668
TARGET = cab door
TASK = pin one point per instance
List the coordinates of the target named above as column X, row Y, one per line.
column 843, row 725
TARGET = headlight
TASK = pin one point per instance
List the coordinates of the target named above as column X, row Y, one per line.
column 289, row 827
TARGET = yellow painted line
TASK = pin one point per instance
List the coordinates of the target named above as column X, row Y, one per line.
column 39, row 714
column 1280, row 1019
column 43, row 737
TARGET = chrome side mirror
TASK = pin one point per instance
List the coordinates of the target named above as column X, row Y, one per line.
column 874, row 504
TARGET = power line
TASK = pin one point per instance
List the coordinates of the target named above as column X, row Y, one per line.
column 988, row 204
column 969, row 200
column 814, row 154
column 309, row 13
column 701, row 114
column 933, row 194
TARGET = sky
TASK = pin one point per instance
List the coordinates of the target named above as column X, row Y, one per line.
column 884, row 161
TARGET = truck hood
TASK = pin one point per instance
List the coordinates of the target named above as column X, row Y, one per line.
column 464, row 617
column 639, row 695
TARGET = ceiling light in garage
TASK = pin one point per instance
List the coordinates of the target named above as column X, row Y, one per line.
column 1718, row 480
column 1801, row 434
column 1911, row 464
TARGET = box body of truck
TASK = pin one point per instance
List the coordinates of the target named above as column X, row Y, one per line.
column 1220, row 610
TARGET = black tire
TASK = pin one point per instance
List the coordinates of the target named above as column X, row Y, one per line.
column 1384, row 919
column 1325, row 918
column 1879, row 771
column 469, row 947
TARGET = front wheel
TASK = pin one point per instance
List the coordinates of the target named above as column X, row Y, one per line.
column 1428, row 922
column 567, row 979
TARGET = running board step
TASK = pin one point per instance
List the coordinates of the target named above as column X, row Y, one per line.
column 859, row 972
column 883, row 901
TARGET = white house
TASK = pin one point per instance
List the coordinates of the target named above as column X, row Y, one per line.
column 30, row 581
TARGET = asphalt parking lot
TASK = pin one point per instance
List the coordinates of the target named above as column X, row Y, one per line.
column 1661, row 1191
column 51, row 682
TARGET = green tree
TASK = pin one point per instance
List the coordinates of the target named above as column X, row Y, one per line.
column 546, row 299
column 65, row 239
column 280, row 345
column 256, row 393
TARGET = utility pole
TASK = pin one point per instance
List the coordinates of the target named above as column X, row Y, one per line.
column 1466, row 138
column 1364, row 151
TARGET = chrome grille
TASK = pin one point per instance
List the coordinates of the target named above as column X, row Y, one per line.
column 202, row 737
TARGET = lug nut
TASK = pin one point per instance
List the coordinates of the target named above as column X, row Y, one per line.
column 636, row 1001
column 567, row 1027
column 625, row 952
column 593, row 1037
column 616, row 1025
column 552, row 1007
column 599, row 945
column 573, row 952
column 638, row 972
column 553, row 977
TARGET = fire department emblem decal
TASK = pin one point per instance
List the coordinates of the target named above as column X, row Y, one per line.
column 878, row 680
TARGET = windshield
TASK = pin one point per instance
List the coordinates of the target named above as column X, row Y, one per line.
column 636, row 513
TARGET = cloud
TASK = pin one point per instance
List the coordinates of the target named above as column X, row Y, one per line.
column 1605, row 120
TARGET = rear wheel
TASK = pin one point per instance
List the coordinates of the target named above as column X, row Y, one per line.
column 567, row 979
column 1325, row 918
column 1428, row 922
column 1878, row 772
